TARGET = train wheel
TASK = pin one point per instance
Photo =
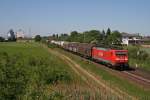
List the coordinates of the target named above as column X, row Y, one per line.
column 126, row 66
column 117, row 68
column 107, row 64
column 122, row 68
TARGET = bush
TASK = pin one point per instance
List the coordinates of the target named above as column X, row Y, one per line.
column 2, row 39
column 143, row 55
column 19, row 75
column 13, row 77
column 136, row 53
column 37, row 38
column 58, row 75
column 132, row 51
column 138, row 57
column 52, row 46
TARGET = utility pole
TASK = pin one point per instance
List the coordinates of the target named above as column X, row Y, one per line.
column 83, row 37
column 30, row 32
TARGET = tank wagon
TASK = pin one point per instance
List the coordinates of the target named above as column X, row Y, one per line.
column 116, row 58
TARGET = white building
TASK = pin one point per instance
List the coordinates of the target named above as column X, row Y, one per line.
column 130, row 38
column 20, row 34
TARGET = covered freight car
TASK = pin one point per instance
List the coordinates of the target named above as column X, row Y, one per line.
column 85, row 49
column 71, row 46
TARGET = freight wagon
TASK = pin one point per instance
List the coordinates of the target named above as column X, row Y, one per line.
column 84, row 49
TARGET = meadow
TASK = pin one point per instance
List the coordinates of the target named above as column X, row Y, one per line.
column 28, row 71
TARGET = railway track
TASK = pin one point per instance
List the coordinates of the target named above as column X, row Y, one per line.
column 144, row 82
column 136, row 76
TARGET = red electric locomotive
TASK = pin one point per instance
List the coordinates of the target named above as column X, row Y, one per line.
column 115, row 58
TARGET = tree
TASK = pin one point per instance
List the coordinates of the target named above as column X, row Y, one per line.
column 116, row 37
column 74, row 35
column 63, row 37
column 37, row 38
column 103, row 33
column 2, row 39
column 107, row 39
column 53, row 35
column 97, row 35
column 57, row 36
column 93, row 35
column 103, row 37
column 11, row 36
column 108, row 32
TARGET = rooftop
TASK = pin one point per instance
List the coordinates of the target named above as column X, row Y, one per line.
column 130, row 35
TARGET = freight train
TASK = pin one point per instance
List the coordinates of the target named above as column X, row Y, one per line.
column 115, row 58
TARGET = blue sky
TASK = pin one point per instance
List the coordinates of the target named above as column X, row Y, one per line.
column 63, row 16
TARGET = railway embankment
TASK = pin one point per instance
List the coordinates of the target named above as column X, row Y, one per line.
column 112, row 77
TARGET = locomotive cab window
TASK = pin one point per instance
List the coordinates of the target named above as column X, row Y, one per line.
column 121, row 53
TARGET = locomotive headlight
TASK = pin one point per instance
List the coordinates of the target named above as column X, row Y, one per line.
column 126, row 59
column 117, row 59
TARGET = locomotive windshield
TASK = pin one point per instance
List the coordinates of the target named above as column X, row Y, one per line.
column 121, row 53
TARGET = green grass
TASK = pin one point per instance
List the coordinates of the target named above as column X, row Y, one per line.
column 139, row 57
column 30, row 72
column 114, row 81
column 27, row 69
column 34, row 51
column 146, row 49
column 146, row 64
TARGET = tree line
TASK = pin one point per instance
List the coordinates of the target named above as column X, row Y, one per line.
column 92, row 36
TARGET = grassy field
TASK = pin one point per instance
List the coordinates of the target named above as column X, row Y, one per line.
column 146, row 49
column 110, row 79
column 30, row 72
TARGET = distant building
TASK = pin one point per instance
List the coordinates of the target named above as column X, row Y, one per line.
column 131, row 39
column 20, row 34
